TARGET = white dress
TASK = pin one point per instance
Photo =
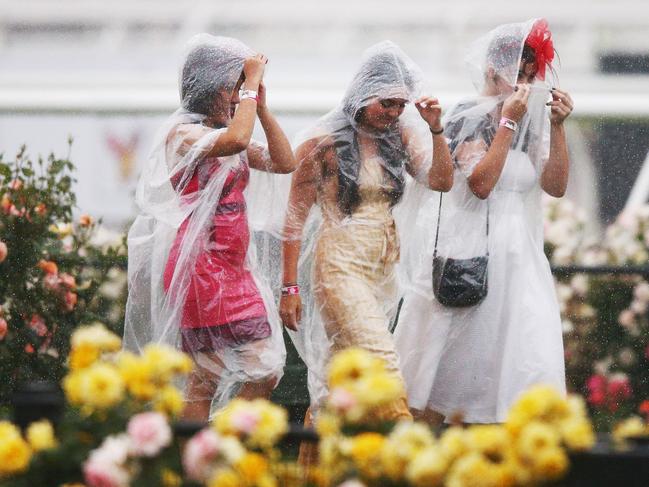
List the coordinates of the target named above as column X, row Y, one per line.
column 477, row 360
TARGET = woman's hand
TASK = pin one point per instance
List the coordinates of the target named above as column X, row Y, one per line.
column 431, row 111
column 562, row 106
column 253, row 68
column 261, row 97
column 515, row 106
column 290, row 310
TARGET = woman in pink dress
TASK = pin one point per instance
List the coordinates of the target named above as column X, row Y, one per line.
column 192, row 275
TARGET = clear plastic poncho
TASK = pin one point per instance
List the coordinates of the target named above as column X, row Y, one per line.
column 354, row 175
column 477, row 360
column 192, row 275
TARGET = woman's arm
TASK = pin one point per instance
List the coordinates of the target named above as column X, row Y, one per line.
column 487, row 172
column 301, row 198
column 440, row 174
column 237, row 135
column 554, row 179
column 279, row 158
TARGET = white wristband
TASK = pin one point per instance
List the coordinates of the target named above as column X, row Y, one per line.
column 245, row 94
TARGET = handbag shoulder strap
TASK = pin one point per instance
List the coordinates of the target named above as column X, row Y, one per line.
column 439, row 216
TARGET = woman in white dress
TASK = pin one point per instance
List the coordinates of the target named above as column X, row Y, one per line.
column 508, row 145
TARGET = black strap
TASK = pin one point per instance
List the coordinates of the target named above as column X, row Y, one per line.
column 439, row 216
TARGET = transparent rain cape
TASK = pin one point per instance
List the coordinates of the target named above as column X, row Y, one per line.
column 190, row 266
column 476, row 360
column 360, row 179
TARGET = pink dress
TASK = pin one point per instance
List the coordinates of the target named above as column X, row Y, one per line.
column 223, row 306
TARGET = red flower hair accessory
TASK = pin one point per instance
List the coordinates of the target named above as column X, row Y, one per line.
column 540, row 40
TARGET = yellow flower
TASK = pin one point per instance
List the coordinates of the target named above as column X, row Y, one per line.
column 428, row 468
column 170, row 478
column 72, row 385
column 491, row 440
column 137, row 376
column 259, row 423
column 629, row 428
column 169, row 401
column 351, row 365
column 15, row 454
column 404, row 442
column 252, row 467
column 83, row 356
column 378, row 389
column 225, row 477
column 550, row 464
column 327, row 424
column 97, row 336
column 366, row 453
column 578, row 434
column 102, row 387
column 40, row 436
column 534, row 438
column 543, row 403
column 476, row 470
column 62, row 230
column 164, row 362
column 453, row 443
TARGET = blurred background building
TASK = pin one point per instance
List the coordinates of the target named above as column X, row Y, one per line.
column 105, row 73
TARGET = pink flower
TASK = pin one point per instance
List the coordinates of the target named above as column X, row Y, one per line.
column 596, row 383
column 51, row 282
column 38, row 326
column 597, row 398
column 199, row 452
column 626, row 318
column 3, row 328
column 3, row 251
column 40, row 209
column 149, row 433
column 245, row 421
column 70, row 301
column 619, row 387
column 646, row 352
column 342, row 400
column 105, row 475
column 67, row 280
column 16, row 184
column 105, row 466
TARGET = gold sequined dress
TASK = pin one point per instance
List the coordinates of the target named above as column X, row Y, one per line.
column 355, row 274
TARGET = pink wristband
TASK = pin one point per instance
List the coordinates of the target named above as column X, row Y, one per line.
column 290, row 290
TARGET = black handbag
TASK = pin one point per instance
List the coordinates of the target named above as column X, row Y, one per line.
column 459, row 283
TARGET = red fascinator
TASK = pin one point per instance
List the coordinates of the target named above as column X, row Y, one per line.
column 540, row 40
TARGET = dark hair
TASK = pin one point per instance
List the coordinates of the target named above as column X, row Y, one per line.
column 391, row 150
column 198, row 86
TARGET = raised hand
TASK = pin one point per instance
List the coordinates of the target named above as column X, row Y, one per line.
column 562, row 106
column 253, row 68
column 515, row 106
column 431, row 111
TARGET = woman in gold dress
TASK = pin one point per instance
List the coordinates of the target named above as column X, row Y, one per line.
column 354, row 165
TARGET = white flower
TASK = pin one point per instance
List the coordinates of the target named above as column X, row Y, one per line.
column 638, row 307
column 567, row 326
column 580, row 284
column 627, row 357
column 626, row 318
column 641, row 292
column 562, row 256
